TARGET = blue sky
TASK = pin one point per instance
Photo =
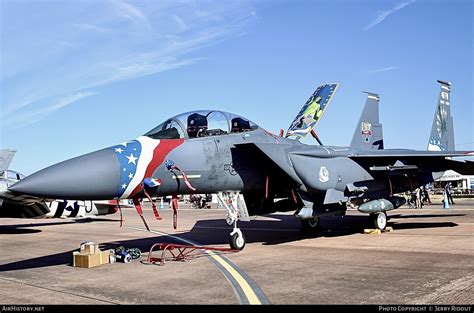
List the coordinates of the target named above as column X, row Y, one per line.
column 77, row 76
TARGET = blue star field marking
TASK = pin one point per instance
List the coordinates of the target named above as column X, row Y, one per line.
column 128, row 154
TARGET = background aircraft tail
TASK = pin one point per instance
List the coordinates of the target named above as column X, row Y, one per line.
column 6, row 157
column 368, row 133
column 442, row 131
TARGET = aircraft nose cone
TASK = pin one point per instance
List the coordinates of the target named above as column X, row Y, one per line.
column 93, row 176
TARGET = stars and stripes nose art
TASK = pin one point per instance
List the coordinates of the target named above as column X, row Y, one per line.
column 128, row 154
column 138, row 159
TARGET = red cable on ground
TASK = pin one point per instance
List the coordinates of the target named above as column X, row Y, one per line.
column 185, row 252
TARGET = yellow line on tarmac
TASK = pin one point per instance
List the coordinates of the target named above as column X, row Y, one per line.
column 249, row 293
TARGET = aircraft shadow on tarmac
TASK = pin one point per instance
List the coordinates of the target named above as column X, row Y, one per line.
column 29, row 228
column 11, row 230
column 65, row 258
column 280, row 229
column 286, row 228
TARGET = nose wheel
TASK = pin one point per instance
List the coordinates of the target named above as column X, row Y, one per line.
column 237, row 239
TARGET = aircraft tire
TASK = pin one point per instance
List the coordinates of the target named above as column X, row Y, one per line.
column 310, row 225
column 378, row 220
column 237, row 242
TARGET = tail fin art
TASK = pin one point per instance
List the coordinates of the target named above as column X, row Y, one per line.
column 442, row 131
column 368, row 133
column 312, row 111
column 6, row 157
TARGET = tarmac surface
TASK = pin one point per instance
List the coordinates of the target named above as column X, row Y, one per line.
column 427, row 259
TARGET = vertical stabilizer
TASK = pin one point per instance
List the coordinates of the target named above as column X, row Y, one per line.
column 368, row 133
column 442, row 131
column 6, row 157
column 312, row 111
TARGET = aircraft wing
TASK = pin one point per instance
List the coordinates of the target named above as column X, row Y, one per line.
column 411, row 153
column 284, row 157
column 312, row 111
column 433, row 161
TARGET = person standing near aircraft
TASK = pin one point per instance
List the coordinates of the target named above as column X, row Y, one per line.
column 425, row 194
column 449, row 192
column 419, row 198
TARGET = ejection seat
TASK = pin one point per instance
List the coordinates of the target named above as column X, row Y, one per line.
column 197, row 125
column 239, row 125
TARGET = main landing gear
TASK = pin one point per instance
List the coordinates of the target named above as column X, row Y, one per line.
column 378, row 220
column 311, row 225
column 236, row 210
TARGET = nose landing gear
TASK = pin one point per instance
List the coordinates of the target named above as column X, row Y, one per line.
column 236, row 210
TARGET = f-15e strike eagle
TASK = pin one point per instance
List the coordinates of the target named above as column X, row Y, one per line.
column 252, row 170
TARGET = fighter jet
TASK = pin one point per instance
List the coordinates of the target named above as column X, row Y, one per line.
column 211, row 151
column 24, row 206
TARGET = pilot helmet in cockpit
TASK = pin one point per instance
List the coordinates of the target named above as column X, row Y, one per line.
column 197, row 124
column 240, row 125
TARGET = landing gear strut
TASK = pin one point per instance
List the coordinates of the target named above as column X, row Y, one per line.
column 378, row 220
column 236, row 210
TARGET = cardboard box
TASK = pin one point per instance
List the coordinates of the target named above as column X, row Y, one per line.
column 85, row 260
column 89, row 248
column 90, row 260
column 104, row 257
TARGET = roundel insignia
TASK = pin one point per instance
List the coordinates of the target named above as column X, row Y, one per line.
column 323, row 174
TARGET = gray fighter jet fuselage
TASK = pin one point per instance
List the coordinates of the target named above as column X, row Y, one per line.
column 214, row 151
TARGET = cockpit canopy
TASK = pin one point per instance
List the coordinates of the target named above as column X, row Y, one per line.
column 9, row 174
column 201, row 124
